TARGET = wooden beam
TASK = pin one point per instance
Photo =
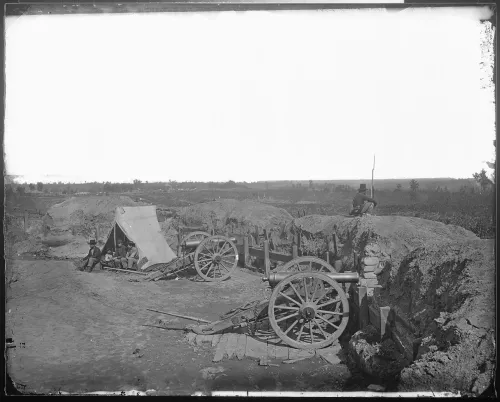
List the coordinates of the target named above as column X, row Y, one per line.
column 246, row 252
column 267, row 261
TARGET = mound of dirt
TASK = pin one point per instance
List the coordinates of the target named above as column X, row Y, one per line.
column 247, row 213
column 439, row 279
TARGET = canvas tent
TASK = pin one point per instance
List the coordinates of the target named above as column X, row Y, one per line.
column 140, row 225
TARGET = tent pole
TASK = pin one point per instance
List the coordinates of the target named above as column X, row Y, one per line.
column 114, row 236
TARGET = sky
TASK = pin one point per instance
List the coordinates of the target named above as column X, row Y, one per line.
column 248, row 96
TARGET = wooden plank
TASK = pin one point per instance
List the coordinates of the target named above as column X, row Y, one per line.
column 216, row 339
column 246, row 253
column 300, row 353
column 255, row 349
column 282, row 351
column 232, row 343
column 267, row 261
column 256, row 252
column 221, row 348
column 241, row 346
column 295, row 251
column 271, row 350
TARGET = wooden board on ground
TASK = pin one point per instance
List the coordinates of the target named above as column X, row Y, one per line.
column 221, row 348
column 241, row 346
column 255, row 349
column 232, row 343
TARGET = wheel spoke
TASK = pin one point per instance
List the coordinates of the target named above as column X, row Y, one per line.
column 327, row 303
column 315, row 289
column 209, row 269
column 226, row 268
column 297, row 293
column 229, row 261
column 228, row 250
column 311, row 332
column 300, row 332
column 206, row 265
column 222, row 248
column 286, row 317
column 305, row 289
column 205, row 254
column 321, row 329
column 291, row 326
column 205, row 260
column 328, row 322
column 284, row 307
column 289, row 298
column 329, row 312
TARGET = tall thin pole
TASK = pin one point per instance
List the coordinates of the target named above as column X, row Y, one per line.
column 114, row 235
column 372, row 175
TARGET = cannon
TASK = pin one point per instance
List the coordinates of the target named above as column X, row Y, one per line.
column 307, row 309
column 214, row 257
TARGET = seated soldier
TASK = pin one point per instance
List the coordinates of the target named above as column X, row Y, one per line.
column 132, row 256
column 120, row 257
column 92, row 258
column 107, row 261
column 362, row 204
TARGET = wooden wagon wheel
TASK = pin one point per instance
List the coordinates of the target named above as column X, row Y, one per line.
column 216, row 258
column 307, row 264
column 304, row 317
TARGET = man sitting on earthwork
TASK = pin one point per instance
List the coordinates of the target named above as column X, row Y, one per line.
column 92, row 258
column 362, row 204
column 132, row 256
column 120, row 257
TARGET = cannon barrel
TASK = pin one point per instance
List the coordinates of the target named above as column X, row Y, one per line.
column 196, row 243
column 341, row 277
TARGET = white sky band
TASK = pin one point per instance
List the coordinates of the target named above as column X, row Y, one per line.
column 307, row 95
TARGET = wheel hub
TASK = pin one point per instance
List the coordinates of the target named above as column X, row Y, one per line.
column 217, row 258
column 308, row 311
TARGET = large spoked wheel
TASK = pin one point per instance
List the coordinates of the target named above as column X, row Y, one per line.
column 216, row 258
column 308, row 310
column 307, row 264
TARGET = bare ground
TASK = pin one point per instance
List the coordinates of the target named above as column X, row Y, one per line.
column 77, row 332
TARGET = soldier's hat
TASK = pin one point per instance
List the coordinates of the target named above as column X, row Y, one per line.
column 92, row 241
column 362, row 188
column 131, row 243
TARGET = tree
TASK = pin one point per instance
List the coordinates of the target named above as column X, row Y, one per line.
column 20, row 190
column 137, row 183
column 310, row 184
column 32, row 186
column 414, row 185
column 482, row 179
column 398, row 187
column 39, row 186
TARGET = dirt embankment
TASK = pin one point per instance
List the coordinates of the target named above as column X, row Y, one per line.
column 247, row 213
column 65, row 229
column 440, row 280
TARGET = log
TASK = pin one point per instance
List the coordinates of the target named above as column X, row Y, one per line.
column 124, row 270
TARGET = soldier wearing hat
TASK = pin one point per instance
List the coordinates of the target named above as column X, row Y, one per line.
column 92, row 258
column 132, row 255
column 361, row 203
